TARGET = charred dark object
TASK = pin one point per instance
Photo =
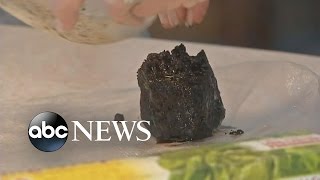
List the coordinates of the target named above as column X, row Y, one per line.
column 119, row 117
column 236, row 132
column 179, row 96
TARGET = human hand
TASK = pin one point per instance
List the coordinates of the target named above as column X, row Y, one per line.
column 174, row 12
column 171, row 12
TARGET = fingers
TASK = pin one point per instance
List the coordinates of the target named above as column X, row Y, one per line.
column 164, row 19
column 191, row 3
column 66, row 13
column 153, row 7
column 172, row 18
column 197, row 12
column 189, row 18
column 174, row 12
column 181, row 13
column 120, row 13
column 171, row 12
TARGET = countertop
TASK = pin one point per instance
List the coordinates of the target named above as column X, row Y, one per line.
column 264, row 92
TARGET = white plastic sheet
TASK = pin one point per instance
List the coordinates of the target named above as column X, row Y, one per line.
column 265, row 93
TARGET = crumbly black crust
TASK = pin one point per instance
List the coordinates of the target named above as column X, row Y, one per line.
column 179, row 95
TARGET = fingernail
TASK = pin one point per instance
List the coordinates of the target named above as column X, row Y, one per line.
column 189, row 19
column 164, row 20
column 173, row 18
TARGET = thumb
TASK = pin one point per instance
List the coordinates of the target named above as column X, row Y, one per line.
column 66, row 13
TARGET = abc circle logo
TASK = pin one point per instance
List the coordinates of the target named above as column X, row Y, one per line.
column 48, row 131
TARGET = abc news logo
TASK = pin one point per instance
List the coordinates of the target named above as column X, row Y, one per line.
column 48, row 131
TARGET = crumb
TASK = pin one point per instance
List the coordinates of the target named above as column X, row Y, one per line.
column 236, row 132
column 119, row 117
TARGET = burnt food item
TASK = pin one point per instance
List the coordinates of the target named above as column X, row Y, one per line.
column 179, row 96
column 236, row 132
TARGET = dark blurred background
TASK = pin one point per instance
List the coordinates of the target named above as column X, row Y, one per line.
column 284, row 25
